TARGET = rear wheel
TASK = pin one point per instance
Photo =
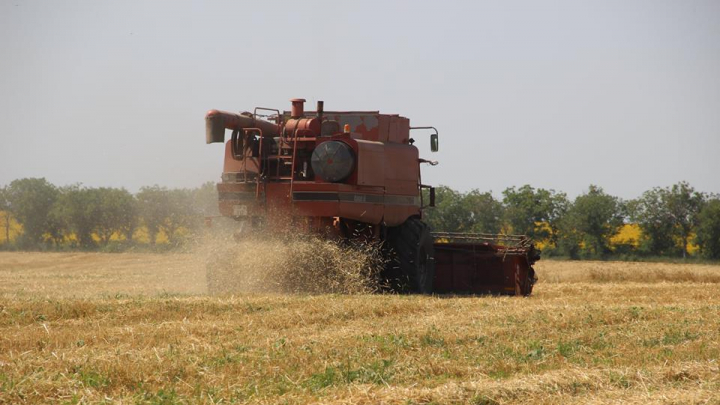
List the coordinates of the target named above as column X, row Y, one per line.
column 411, row 268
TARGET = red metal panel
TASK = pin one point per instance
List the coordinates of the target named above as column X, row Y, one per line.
column 383, row 127
column 371, row 163
column 317, row 208
column 363, row 212
column 401, row 177
column 480, row 269
column 399, row 129
column 364, row 123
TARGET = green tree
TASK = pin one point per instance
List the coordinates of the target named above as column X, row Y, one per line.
column 7, row 215
column 684, row 205
column 152, row 207
column 31, row 200
column 117, row 214
column 535, row 212
column 180, row 214
column 592, row 220
column 79, row 210
column 166, row 210
column 56, row 228
column 667, row 217
column 464, row 212
column 486, row 213
column 449, row 214
column 129, row 216
column 708, row 229
column 651, row 214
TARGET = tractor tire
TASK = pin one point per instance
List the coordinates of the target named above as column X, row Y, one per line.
column 411, row 265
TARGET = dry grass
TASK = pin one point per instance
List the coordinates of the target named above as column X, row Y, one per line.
column 93, row 328
column 623, row 272
column 39, row 275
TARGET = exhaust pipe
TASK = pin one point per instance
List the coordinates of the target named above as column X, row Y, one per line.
column 216, row 122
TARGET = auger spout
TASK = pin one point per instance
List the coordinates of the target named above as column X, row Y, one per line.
column 217, row 121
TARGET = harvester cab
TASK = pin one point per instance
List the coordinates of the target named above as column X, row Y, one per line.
column 356, row 174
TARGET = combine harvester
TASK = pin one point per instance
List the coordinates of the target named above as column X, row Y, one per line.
column 356, row 174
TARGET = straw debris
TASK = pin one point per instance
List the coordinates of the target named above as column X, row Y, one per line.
column 293, row 264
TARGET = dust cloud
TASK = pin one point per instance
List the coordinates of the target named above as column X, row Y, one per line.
column 214, row 262
column 290, row 262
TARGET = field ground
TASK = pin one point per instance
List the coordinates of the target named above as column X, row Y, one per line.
column 138, row 328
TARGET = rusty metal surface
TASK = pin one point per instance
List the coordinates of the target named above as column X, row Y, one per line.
column 268, row 169
column 303, row 126
column 217, row 121
column 298, row 107
column 484, row 264
column 380, row 142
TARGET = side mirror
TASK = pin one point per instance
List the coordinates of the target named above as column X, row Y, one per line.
column 432, row 190
column 434, row 142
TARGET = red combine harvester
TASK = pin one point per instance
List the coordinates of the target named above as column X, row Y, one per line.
column 356, row 174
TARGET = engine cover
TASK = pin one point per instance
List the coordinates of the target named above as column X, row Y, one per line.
column 333, row 161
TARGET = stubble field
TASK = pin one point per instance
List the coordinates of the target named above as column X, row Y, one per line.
column 139, row 328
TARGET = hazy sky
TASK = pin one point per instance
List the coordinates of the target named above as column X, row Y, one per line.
column 556, row 94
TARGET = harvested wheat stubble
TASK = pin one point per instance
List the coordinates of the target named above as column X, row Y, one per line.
column 641, row 272
column 576, row 340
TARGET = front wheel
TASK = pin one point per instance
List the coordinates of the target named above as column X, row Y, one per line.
column 411, row 268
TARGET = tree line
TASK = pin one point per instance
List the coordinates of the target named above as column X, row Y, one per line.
column 670, row 219
column 89, row 218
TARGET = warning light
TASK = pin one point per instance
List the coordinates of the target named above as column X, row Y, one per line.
column 347, row 128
